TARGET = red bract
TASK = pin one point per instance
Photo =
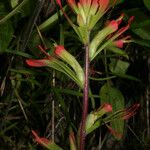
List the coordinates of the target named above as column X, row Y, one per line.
column 36, row 63
column 72, row 4
column 113, row 132
column 124, row 114
column 43, row 51
column 119, row 43
column 72, row 141
column 125, row 28
column 39, row 62
column 131, row 111
column 107, row 107
column 40, row 140
column 114, row 25
column 59, row 49
column 119, row 20
column 103, row 4
column 86, row 10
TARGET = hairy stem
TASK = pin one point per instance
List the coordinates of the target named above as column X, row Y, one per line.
column 85, row 98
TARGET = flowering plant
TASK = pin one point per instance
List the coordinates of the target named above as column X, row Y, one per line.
column 109, row 37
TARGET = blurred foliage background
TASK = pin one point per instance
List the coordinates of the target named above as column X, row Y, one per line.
column 31, row 97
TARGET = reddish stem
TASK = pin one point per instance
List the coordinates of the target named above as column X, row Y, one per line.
column 85, row 99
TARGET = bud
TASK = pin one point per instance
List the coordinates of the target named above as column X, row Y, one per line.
column 37, row 63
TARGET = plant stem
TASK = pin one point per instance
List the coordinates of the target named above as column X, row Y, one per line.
column 85, row 98
column 53, row 111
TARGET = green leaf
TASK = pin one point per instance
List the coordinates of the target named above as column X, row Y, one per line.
column 142, row 42
column 13, row 12
column 98, row 39
column 96, row 125
column 118, row 66
column 6, row 34
column 113, row 96
column 83, row 33
column 53, row 146
column 47, row 24
column 147, row 4
column 6, row 31
column 141, row 18
column 14, row 3
column 143, row 33
column 19, row 53
column 102, row 79
column 125, row 76
column 118, row 51
column 64, row 68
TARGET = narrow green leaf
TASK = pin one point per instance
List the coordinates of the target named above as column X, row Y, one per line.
column 118, row 51
column 73, row 92
column 50, row 21
column 102, row 79
column 6, row 31
column 13, row 12
column 142, row 42
column 18, row 53
column 143, row 33
column 125, row 76
column 53, row 146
